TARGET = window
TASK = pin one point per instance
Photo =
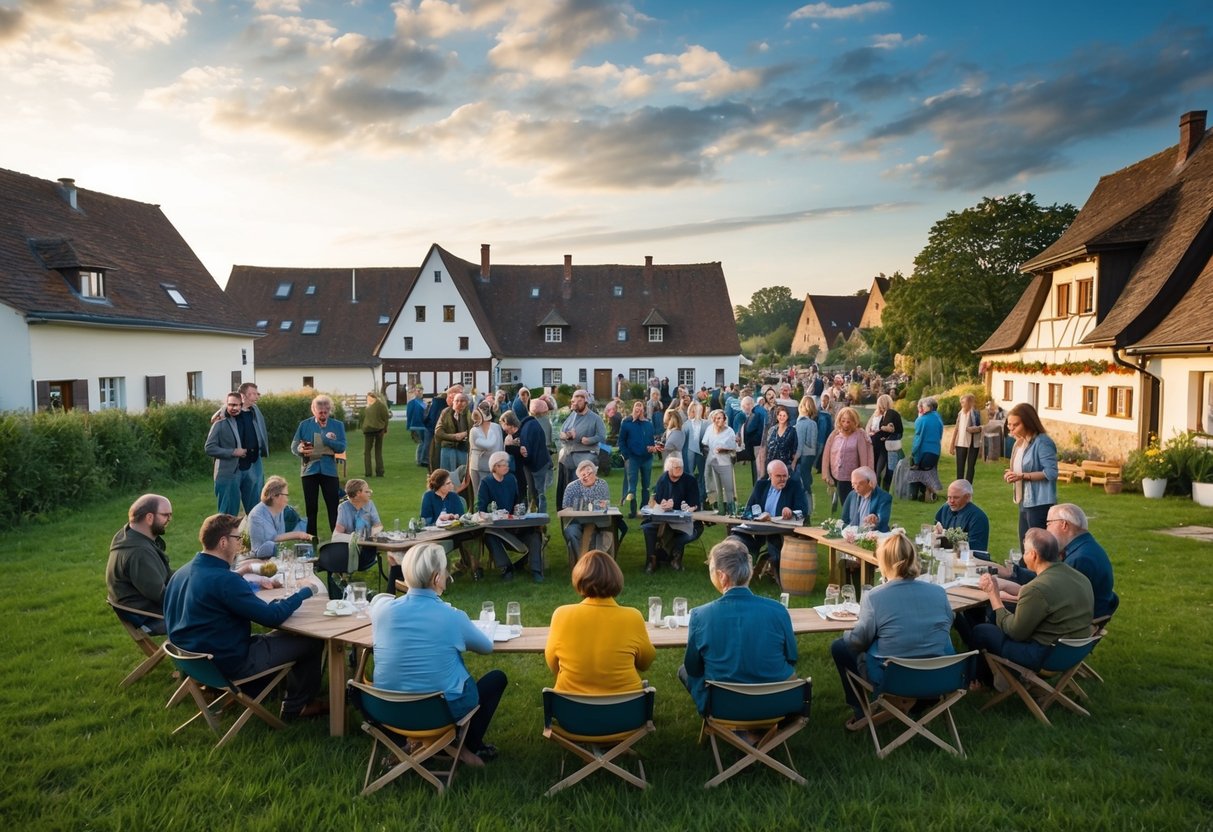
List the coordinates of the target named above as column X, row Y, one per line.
column 1086, row 296
column 112, row 393
column 641, row 375
column 285, row 326
column 414, row 379
column 553, row 335
column 509, row 375
column 1008, row 391
column 621, row 334
column 408, row 343
column 463, row 342
column 310, row 327
column 534, row 291
column 686, row 377
column 193, row 386
column 1089, row 396
column 1120, row 402
column 617, row 291
column 92, row 284
column 1034, row 394
column 1063, row 300
column 176, row 296
column 552, row 377
column 720, row 376
column 237, row 377
column 311, row 289
column 1055, row 396
column 309, row 381
column 448, row 314
column 420, row 314
column 656, row 334
column 582, row 377
column 243, row 356
column 383, row 319
column 262, row 324
column 437, row 275
column 283, row 291
column 467, row 378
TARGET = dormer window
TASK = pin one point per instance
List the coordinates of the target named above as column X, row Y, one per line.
column 92, row 284
column 285, row 326
column 263, row 324
column 383, row 319
column 534, row 291
column 618, row 291
column 553, row 334
column 621, row 334
column 656, row 334
column 175, row 295
column 283, row 291
column 310, row 327
column 311, row 289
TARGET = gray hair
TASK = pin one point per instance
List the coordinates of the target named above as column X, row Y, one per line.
column 865, row 472
column 673, row 459
column 496, row 457
column 731, row 558
column 929, row 403
column 586, row 463
column 1044, row 544
column 965, row 486
column 422, row 564
column 776, row 464
column 1071, row 514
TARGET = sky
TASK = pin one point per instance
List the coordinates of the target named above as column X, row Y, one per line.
column 808, row 146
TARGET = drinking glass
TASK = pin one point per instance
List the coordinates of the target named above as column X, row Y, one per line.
column 963, row 552
column 925, row 533
column 303, row 551
column 520, row 510
column 396, row 525
column 680, row 607
column 1013, row 557
column 848, row 594
column 488, row 613
column 513, row 617
column 832, row 593
column 655, row 610
column 785, row 599
column 360, row 602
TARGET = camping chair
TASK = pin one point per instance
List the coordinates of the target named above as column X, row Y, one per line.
column 414, row 728
column 1066, row 657
column 942, row 677
column 199, row 669
column 1099, row 627
column 153, row 652
column 334, row 558
column 778, row 709
column 598, row 729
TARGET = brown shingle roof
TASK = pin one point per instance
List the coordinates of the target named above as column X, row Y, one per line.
column 348, row 331
column 133, row 242
column 838, row 314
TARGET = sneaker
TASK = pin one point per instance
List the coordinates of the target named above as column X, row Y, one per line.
column 486, row 752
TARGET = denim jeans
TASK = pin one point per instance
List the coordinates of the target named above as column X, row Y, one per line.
column 637, row 467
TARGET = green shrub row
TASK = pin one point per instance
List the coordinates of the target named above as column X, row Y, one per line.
column 68, row 459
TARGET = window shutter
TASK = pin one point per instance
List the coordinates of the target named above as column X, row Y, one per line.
column 42, row 394
column 155, row 389
column 80, row 395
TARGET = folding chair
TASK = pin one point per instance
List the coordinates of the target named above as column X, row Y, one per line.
column 598, row 729
column 1066, row 657
column 778, row 709
column 414, row 728
column 199, row 669
column 153, row 652
column 1099, row 627
column 334, row 558
column 942, row 677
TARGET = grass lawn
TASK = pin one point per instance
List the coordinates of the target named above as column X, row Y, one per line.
column 79, row 753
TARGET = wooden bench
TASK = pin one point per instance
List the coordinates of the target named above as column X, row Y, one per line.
column 1098, row 473
column 1068, row 472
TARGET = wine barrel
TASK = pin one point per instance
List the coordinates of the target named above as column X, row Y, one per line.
column 798, row 565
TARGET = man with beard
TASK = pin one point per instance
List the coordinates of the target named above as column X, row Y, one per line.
column 138, row 571
column 580, row 435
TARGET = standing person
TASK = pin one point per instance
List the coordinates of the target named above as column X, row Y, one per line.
column 318, row 467
column 695, row 460
column 223, row 444
column 622, row 388
column 375, row 421
column 208, row 608
column 715, row 652
column 782, row 442
column 137, row 570
column 255, row 437
column 719, row 447
column 525, row 440
column 846, row 449
column 414, row 414
column 674, row 439
column 1033, row 471
column 433, row 413
column 825, row 426
column 886, row 433
column 612, row 414
column 522, row 403
column 928, row 442
column 452, row 431
column 580, row 435
column 486, row 440
column 806, row 435
column 966, row 439
column 751, row 433
column 637, row 446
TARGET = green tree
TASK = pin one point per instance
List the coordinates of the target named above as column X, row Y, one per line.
column 967, row 277
column 768, row 308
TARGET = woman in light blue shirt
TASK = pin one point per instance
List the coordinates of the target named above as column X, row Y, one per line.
column 318, row 466
column 1033, row 471
column 419, row 642
column 267, row 523
column 357, row 515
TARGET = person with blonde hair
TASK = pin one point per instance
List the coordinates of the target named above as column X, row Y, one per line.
column 597, row 646
column 719, row 447
column 846, row 449
column 267, row 520
column 886, row 430
column 902, row 618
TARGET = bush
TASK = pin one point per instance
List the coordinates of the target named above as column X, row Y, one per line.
column 949, row 406
column 283, row 412
column 908, row 408
column 125, row 450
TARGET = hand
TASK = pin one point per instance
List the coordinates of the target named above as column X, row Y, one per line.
column 522, row 451
column 786, row 514
column 1008, row 475
column 871, row 520
column 586, row 440
column 240, row 452
column 666, row 505
column 266, row 583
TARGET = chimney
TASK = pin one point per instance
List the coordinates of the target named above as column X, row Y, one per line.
column 484, row 262
column 648, row 268
column 1191, row 131
column 68, row 188
column 566, row 288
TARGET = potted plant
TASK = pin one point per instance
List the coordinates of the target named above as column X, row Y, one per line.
column 1151, row 467
column 1200, row 470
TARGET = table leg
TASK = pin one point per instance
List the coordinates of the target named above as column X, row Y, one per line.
column 336, row 651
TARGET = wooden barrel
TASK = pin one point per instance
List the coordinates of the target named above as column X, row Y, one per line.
column 798, row 565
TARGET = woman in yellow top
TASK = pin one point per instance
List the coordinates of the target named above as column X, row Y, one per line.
column 598, row 646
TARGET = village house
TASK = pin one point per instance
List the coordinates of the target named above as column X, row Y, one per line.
column 1113, row 338
column 103, row 304
column 826, row 318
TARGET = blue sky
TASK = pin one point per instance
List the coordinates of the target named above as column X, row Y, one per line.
column 810, row 146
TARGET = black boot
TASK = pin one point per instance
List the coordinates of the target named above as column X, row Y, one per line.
column 650, row 565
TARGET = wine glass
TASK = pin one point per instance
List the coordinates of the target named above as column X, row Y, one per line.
column 832, row 593
column 785, row 598
column 655, row 610
column 488, row 613
column 513, row 617
column 848, row 595
column 680, row 607
column 360, row 602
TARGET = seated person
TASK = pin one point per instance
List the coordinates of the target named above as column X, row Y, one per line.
column 419, row 641
column 867, row 505
column 673, row 492
column 208, row 608
column 598, row 646
column 779, row 496
column 267, row 520
column 358, row 516
column 440, row 502
column 586, row 488
column 902, row 618
column 137, row 570
column 739, row 637
column 1057, row 603
column 500, row 488
column 961, row 513
column 1068, row 523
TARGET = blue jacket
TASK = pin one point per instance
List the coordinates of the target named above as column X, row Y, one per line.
column 928, row 435
column 792, row 496
column 825, row 426
column 880, row 503
column 1040, row 455
column 1088, row 557
column 326, row 465
column 970, row 518
column 635, row 437
column 208, row 608
column 905, row 619
column 414, row 413
column 739, row 637
column 504, row 494
column 432, row 505
column 531, row 434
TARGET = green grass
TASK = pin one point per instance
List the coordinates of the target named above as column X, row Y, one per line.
column 79, row 753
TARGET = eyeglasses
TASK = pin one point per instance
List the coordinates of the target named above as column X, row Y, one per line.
column 1054, row 520
column 234, row 536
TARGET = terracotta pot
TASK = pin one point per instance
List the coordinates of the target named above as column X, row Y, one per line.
column 1115, row 486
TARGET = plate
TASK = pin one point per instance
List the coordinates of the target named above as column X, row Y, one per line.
column 842, row 615
column 339, row 608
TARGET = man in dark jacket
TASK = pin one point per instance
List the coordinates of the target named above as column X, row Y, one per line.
column 778, row 496
column 137, row 570
column 526, row 440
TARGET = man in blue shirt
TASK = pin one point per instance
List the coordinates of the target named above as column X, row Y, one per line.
column 961, row 513
column 414, row 417
column 777, row 496
column 208, row 608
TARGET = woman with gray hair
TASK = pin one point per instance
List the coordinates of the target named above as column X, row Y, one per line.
column 719, row 447
column 924, row 453
column 317, row 440
column 419, row 641
column 587, row 489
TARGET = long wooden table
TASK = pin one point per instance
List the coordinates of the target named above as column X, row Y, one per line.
column 608, row 520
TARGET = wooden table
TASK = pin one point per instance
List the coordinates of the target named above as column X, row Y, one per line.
column 608, row 520
column 834, row 545
column 396, row 548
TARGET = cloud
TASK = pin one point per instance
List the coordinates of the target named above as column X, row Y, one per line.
column 545, row 37
column 824, row 11
column 992, row 135
column 895, row 41
column 440, row 18
column 704, row 73
column 857, row 61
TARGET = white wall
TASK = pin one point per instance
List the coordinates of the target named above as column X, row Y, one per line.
column 434, row 338
column 16, row 392
column 342, row 381
column 88, row 352
column 663, row 366
column 1182, row 380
